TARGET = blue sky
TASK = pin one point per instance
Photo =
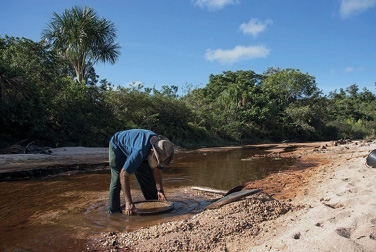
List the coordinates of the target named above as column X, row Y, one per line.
column 180, row 42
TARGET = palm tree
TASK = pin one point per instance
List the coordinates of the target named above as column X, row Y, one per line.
column 82, row 38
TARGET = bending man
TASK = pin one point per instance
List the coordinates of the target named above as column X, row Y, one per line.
column 143, row 153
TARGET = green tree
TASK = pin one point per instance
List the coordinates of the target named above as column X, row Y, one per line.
column 82, row 115
column 288, row 85
column 305, row 119
column 83, row 38
column 227, row 106
column 130, row 106
column 352, row 112
column 30, row 76
column 288, row 95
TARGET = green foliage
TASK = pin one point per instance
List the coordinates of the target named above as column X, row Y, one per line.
column 243, row 106
column 226, row 105
column 82, row 115
column 352, row 112
column 29, row 76
column 289, row 85
column 41, row 101
column 83, row 39
column 161, row 111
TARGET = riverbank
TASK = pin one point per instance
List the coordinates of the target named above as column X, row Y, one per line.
column 64, row 159
column 340, row 199
column 57, row 156
column 324, row 203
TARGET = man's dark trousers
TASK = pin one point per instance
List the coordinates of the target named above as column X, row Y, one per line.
column 144, row 175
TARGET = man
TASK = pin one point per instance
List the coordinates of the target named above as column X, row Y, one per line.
column 143, row 153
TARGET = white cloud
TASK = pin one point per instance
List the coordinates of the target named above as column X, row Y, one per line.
column 350, row 7
column 354, row 69
column 236, row 54
column 214, row 4
column 349, row 69
column 255, row 26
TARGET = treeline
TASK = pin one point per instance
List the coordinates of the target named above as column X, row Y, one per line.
column 41, row 101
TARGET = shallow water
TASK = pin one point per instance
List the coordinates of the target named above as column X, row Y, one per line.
column 58, row 213
column 98, row 219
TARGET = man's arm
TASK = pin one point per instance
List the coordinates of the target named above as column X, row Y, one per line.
column 126, row 188
column 159, row 184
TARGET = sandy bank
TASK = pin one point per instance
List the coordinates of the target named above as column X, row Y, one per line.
column 341, row 198
column 58, row 156
column 326, row 204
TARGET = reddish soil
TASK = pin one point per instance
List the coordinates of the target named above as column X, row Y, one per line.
column 225, row 228
column 234, row 227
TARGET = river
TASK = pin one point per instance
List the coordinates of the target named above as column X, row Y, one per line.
column 58, row 213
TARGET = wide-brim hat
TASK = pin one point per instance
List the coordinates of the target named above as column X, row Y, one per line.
column 164, row 150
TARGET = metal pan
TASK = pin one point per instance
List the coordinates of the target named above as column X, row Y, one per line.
column 150, row 207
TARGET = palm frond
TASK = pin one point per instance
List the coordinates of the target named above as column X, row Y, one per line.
column 83, row 38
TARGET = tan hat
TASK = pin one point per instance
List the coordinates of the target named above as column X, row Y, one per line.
column 164, row 150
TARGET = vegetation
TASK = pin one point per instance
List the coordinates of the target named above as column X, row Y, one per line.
column 47, row 96
column 82, row 38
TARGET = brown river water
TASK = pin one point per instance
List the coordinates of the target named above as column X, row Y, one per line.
column 58, row 213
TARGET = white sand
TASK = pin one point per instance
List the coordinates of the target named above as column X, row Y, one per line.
column 64, row 155
column 342, row 212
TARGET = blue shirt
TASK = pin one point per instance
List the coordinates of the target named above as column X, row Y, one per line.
column 135, row 145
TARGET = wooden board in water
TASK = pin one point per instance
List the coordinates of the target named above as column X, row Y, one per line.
column 153, row 207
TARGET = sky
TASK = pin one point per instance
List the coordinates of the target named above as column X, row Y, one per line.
column 183, row 42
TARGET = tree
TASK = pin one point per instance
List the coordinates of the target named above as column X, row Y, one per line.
column 82, row 38
column 30, row 76
column 288, row 85
column 288, row 96
column 352, row 112
column 227, row 105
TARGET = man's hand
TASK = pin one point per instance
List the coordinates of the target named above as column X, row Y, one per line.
column 162, row 196
column 129, row 209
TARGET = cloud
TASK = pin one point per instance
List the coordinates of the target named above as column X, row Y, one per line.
column 350, row 7
column 214, row 4
column 349, row 69
column 354, row 69
column 255, row 26
column 236, row 54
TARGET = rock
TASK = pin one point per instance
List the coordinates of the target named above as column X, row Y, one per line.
column 372, row 236
column 296, row 236
column 344, row 232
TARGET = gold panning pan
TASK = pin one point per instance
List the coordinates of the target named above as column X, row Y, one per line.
column 149, row 207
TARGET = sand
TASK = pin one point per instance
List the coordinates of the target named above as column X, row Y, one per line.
column 341, row 216
column 327, row 203
column 58, row 156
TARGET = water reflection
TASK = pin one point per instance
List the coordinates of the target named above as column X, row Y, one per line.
column 224, row 170
column 57, row 213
